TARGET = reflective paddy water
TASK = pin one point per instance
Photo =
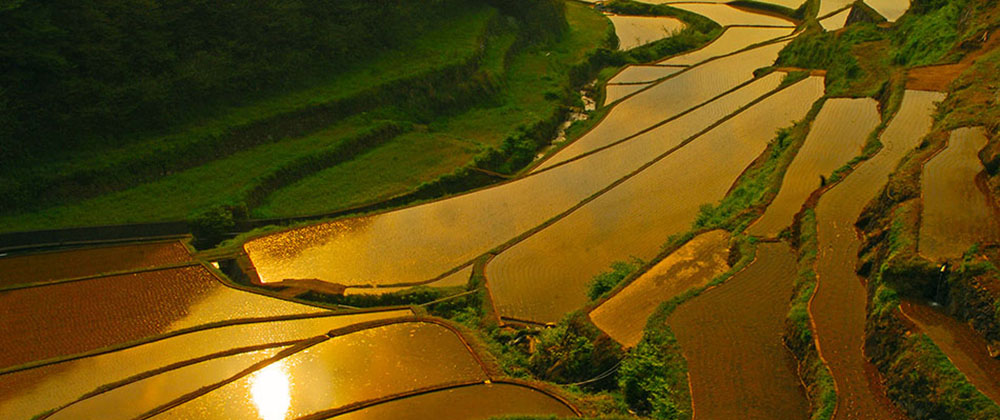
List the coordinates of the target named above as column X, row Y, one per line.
column 623, row 316
column 836, row 136
column 827, row 7
column 634, row 31
column 956, row 213
column 669, row 98
column 46, row 387
column 726, row 15
column 838, row 306
column 419, row 243
column 466, row 403
column 890, row 9
column 545, row 276
column 643, row 74
column 459, row 278
column 346, row 369
column 616, row 92
column 836, row 21
column 50, row 321
column 732, row 40
column 87, row 262
column 731, row 337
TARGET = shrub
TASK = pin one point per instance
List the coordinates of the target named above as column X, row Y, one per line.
column 606, row 281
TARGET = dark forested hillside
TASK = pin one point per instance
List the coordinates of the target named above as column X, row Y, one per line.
column 91, row 73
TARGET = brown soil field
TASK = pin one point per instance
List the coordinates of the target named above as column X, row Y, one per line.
column 634, row 31
column 956, row 213
column 623, row 316
column 69, row 318
column 732, row 40
column 838, row 305
column 669, row 98
column 966, row 349
column 937, row 78
column 466, row 403
column 356, row 367
column 837, row 135
column 427, row 240
column 546, row 275
column 731, row 338
column 89, row 261
column 28, row 392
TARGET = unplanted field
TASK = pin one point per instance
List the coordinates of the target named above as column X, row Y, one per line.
column 643, row 74
column 74, row 317
column 422, row 242
column 623, row 316
column 838, row 305
column 966, row 349
column 731, row 336
column 634, row 31
column 837, row 135
column 89, row 261
column 727, row 15
column 466, row 403
column 669, row 98
column 956, row 213
column 345, row 369
column 732, row 40
column 28, row 392
column 545, row 275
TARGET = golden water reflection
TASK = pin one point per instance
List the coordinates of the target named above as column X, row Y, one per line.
column 270, row 390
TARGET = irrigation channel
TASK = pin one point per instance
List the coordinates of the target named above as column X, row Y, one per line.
column 150, row 331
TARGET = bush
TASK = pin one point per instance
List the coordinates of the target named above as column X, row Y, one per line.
column 606, row 281
column 649, row 375
column 212, row 225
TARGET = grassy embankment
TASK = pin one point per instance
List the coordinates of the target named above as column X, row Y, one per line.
column 868, row 60
column 472, row 83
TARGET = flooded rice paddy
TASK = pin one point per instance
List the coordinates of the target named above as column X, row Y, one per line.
column 669, row 98
column 890, row 9
column 466, row 403
column 130, row 307
column 827, row 7
column 966, row 349
column 727, row 15
column 49, row 266
column 732, row 40
column 458, row 278
column 643, row 74
column 838, row 306
column 613, row 93
column 356, row 367
column 623, row 316
column 731, row 336
column 634, row 31
column 545, row 276
column 956, row 213
column 419, row 243
column 836, row 136
column 836, row 21
column 50, row 386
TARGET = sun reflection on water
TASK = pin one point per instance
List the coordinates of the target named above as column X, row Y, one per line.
column 270, row 392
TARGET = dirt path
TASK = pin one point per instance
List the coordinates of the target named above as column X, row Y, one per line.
column 966, row 349
column 937, row 78
column 838, row 306
column 731, row 338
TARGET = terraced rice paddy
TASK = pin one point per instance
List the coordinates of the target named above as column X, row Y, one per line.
column 643, row 74
column 966, row 349
column 419, row 243
column 458, row 278
column 732, row 40
column 669, row 98
column 634, row 31
column 837, row 135
column 28, row 392
column 51, row 266
column 131, row 307
column 827, row 7
column 838, row 306
column 731, row 338
column 616, row 92
column 836, row 21
column 466, row 403
column 545, row 276
column 356, row 367
column 624, row 315
column 726, row 15
column 956, row 213
column 890, row 9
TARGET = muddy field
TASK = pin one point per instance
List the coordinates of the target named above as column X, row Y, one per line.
column 731, row 338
